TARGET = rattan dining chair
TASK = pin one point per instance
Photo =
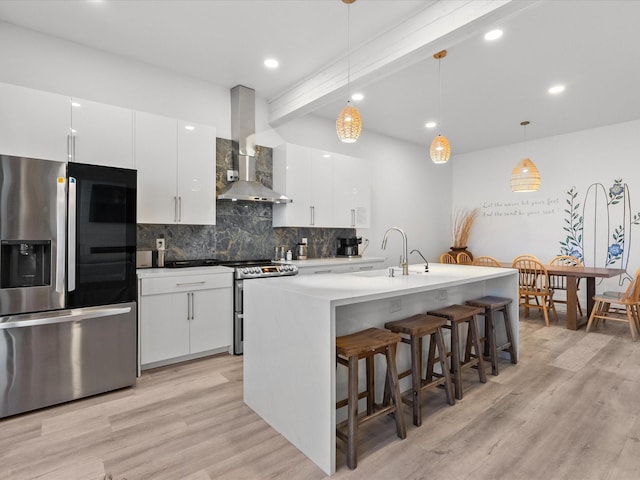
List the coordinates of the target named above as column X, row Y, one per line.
column 447, row 258
column 463, row 258
column 533, row 287
column 486, row 261
column 623, row 308
column 559, row 282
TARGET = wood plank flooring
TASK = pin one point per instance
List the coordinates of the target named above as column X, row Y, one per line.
column 570, row 409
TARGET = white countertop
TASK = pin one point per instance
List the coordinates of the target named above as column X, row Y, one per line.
column 347, row 288
column 172, row 272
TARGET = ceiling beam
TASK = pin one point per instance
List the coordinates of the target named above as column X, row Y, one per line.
column 440, row 25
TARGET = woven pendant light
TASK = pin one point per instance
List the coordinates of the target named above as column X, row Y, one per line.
column 440, row 150
column 348, row 123
column 525, row 177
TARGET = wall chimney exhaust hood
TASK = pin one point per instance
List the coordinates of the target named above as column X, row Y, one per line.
column 243, row 126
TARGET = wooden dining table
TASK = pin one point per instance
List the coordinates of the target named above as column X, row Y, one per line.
column 573, row 274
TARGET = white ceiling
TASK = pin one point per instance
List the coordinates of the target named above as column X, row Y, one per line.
column 591, row 46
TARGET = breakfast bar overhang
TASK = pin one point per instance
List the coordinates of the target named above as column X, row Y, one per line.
column 290, row 327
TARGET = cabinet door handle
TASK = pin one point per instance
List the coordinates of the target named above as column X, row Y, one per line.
column 189, row 284
column 312, row 210
column 179, row 209
column 188, row 306
column 73, row 143
column 175, row 209
column 322, row 271
column 69, row 149
column 353, row 217
column 193, row 313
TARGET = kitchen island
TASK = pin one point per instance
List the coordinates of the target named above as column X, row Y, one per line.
column 290, row 326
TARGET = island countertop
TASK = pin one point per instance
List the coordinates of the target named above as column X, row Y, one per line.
column 348, row 288
column 291, row 325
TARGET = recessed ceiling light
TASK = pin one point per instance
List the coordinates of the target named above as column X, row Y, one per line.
column 357, row 97
column 493, row 35
column 75, row 104
column 556, row 89
column 326, row 155
column 189, row 127
column 271, row 63
column 430, row 124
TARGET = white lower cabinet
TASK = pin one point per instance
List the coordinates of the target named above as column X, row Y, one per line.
column 184, row 317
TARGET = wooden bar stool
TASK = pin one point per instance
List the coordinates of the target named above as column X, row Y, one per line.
column 491, row 306
column 415, row 328
column 457, row 315
column 351, row 348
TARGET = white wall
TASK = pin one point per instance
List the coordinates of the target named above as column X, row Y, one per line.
column 515, row 223
column 409, row 191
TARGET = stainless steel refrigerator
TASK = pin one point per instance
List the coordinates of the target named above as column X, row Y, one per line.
column 67, row 281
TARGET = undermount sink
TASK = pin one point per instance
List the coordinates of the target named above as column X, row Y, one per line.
column 397, row 272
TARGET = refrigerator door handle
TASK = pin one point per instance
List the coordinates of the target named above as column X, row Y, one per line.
column 65, row 316
column 71, row 267
column 61, row 225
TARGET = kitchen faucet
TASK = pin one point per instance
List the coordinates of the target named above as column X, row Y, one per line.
column 403, row 262
column 426, row 262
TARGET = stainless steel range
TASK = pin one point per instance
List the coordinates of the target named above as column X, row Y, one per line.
column 245, row 270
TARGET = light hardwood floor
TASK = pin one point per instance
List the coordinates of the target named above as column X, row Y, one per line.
column 569, row 410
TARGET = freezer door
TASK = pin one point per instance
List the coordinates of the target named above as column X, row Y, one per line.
column 32, row 234
column 53, row 357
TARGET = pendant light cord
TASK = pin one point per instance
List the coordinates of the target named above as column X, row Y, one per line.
column 348, row 52
column 440, row 94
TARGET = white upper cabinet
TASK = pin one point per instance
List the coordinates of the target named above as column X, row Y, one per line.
column 304, row 175
column 322, row 188
column 176, row 170
column 101, row 134
column 39, row 124
column 328, row 189
column 34, row 123
column 156, row 159
column 196, row 174
column 352, row 191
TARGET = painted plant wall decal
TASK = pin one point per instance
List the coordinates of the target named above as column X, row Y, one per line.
column 598, row 228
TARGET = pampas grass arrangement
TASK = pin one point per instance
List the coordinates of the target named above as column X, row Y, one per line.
column 461, row 223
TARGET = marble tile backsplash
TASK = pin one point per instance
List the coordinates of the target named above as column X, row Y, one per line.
column 243, row 230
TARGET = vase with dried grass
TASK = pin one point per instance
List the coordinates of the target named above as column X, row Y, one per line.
column 461, row 224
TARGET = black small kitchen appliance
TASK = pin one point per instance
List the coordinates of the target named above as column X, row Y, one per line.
column 348, row 247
